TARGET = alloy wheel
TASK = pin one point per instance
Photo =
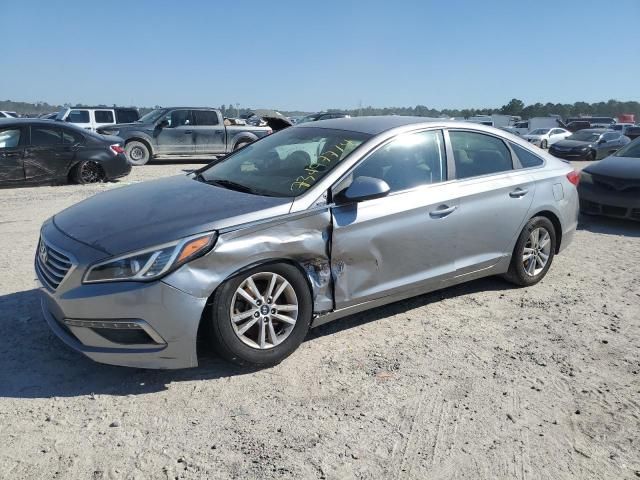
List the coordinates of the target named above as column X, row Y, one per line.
column 90, row 172
column 264, row 310
column 136, row 154
column 536, row 251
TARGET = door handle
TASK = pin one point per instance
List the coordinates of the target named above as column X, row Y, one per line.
column 518, row 192
column 187, row 132
column 442, row 211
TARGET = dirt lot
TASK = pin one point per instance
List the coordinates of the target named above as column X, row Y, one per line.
column 477, row 381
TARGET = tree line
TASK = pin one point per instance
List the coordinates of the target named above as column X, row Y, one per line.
column 515, row 106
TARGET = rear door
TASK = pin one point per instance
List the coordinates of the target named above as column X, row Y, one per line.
column 177, row 138
column 405, row 240
column 12, row 140
column 209, row 132
column 494, row 199
column 46, row 157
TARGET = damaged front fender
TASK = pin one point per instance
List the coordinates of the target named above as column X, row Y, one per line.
column 303, row 239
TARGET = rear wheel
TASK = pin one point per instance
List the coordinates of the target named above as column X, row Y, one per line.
column 533, row 253
column 87, row 171
column 261, row 316
column 137, row 153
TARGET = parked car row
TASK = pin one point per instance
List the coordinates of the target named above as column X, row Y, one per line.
column 589, row 144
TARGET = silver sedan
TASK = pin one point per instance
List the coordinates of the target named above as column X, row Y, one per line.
column 302, row 227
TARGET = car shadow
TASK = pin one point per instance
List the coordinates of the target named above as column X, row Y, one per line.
column 608, row 226
column 36, row 364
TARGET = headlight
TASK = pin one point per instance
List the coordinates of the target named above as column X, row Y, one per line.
column 151, row 263
column 585, row 177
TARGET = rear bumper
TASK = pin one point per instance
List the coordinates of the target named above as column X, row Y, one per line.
column 117, row 167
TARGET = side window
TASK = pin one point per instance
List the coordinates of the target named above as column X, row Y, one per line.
column 179, row 118
column 205, row 117
column 408, row 161
column 610, row 136
column 45, row 136
column 104, row 116
column 478, row 154
column 9, row 137
column 126, row 116
column 78, row 116
column 527, row 158
column 71, row 138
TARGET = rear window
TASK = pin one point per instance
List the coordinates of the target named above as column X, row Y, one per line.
column 9, row 137
column 104, row 116
column 477, row 154
column 71, row 138
column 126, row 116
column 78, row 116
column 205, row 117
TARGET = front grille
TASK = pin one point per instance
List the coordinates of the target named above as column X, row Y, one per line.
column 51, row 264
column 617, row 184
column 614, row 211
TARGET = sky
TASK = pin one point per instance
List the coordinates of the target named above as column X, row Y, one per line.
column 313, row 55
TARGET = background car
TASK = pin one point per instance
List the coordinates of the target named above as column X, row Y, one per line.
column 576, row 125
column 92, row 118
column 314, row 117
column 42, row 151
column 611, row 186
column 6, row 114
column 589, row 144
column 243, row 249
column 543, row 137
column 632, row 132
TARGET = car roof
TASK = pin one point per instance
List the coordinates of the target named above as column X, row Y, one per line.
column 41, row 121
column 99, row 108
column 372, row 125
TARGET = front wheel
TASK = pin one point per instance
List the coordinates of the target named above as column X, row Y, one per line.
column 591, row 156
column 533, row 253
column 261, row 316
column 137, row 153
column 241, row 144
column 544, row 144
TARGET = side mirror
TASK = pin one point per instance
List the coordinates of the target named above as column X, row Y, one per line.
column 164, row 123
column 363, row 188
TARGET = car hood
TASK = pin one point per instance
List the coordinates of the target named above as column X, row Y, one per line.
column 155, row 212
column 532, row 137
column 616, row 167
column 573, row 143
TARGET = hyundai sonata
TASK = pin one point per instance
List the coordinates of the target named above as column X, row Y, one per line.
column 302, row 227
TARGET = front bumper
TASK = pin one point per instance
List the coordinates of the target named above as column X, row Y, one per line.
column 133, row 324
column 599, row 200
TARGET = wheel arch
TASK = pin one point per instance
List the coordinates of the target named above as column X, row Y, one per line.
column 242, row 137
column 557, row 225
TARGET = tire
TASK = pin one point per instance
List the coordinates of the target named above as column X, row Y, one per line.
column 591, row 156
column 521, row 272
column 87, row 171
column 137, row 153
column 544, row 144
column 249, row 348
column 241, row 144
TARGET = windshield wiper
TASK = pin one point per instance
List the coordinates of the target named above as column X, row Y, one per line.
column 231, row 185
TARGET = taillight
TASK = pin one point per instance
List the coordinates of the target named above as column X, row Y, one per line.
column 115, row 148
column 574, row 177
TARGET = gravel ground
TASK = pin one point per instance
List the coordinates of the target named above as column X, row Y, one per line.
column 477, row 381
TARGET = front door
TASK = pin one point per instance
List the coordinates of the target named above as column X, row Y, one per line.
column 11, row 153
column 404, row 241
column 209, row 132
column 177, row 137
column 47, row 157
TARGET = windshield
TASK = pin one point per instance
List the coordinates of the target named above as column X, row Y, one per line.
column 152, row 116
column 629, row 150
column 285, row 164
column 540, row 131
column 584, row 136
column 310, row 118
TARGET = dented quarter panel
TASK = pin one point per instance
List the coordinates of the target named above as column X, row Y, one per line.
column 299, row 238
